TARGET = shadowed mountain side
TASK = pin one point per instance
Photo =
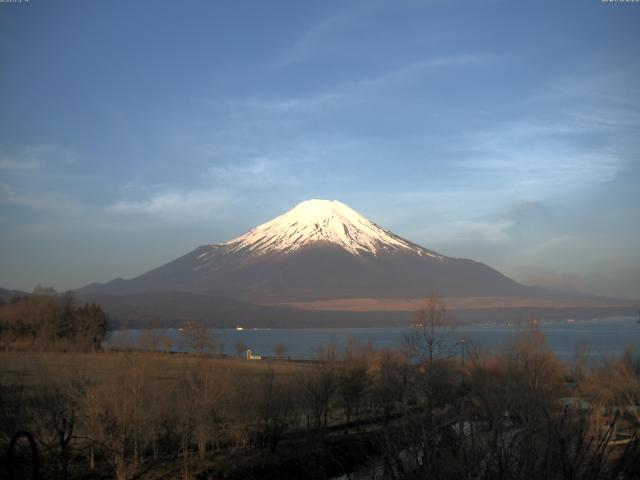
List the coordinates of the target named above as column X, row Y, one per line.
column 172, row 309
column 318, row 272
column 166, row 277
column 322, row 250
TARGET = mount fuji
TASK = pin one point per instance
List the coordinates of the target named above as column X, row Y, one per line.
column 317, row 253
column 318, row 250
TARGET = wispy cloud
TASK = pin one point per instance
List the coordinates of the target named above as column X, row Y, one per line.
column 175, row 207
column 38, row 154
column 600, row 118
column 417, row 69
column 22, row 158
column 286, row 105
column 489, row 231
column 546, row 169
column 26, row 158
column 312, row 40
column 42, row 202
column 532, row 157
column 222, row 187
column 257, row 112
column 257, row 172
column 536, row 275
column 18, row 164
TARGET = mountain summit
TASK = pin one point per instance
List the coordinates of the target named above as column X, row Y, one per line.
column 319, row 250
column 328, row 221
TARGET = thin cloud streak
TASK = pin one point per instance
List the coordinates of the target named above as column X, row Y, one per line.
column 175, row 208
column 47, row 202
column 312, row 41
column 34, row 157
column 259, row 172
column 13, row 164
column 289, row 105
column 416, row 69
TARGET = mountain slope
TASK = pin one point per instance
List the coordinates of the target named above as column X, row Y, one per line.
column 319, row 250
column 6, row 295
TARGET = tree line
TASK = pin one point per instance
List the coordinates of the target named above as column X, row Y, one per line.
column 45, row 320
column 517, row 413
column 432, row 408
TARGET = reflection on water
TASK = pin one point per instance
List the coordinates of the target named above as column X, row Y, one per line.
column 607, row 336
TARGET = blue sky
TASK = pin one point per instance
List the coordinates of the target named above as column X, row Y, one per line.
column 507, row 132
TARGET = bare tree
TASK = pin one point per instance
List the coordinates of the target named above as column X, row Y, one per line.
column 90, row 418
column 276, row 407
column 13, row 410
column 353, row 378
column 149, row 340
column 54, row 425
column 280, row 349
column 124, row 418
column 627, row 384
column 185, row 422
column 432, row 335
column 389, row 383
column 240, row 347
column 320, row 386
column 198, row 338
column 166, row 342
column 206, row 389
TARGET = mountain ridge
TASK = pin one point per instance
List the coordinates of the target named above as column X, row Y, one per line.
column 319, row 251
column 316, row 220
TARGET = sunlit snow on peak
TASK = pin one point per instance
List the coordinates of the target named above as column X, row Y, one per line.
column 329, row 221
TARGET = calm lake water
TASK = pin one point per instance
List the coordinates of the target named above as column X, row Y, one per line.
column 603, row 337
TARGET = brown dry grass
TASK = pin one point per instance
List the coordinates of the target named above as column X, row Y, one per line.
column 31, row 368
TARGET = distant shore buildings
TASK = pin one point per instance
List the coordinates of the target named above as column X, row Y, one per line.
column 251, row 356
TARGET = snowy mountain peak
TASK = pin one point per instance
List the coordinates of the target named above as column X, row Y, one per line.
column 329, row 221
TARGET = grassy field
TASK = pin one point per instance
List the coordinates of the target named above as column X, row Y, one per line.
column 29, row 368
column 162, row 402
column 148, row 415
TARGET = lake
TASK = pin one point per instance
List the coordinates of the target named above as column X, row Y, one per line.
column 603, row 337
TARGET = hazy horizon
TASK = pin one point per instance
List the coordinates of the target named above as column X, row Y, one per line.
column 134, row 132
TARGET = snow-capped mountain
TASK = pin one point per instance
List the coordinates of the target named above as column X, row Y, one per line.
column 318, row 250
column 329, row 221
